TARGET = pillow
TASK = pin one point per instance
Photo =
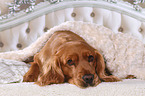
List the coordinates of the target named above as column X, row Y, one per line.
column 12, row 71
column 124, row 54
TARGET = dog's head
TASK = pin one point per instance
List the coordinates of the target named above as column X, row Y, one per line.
column 79, row 63
column 73, row 62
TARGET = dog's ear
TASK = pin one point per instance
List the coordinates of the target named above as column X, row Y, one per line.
column 52, row 72
column 100, row 69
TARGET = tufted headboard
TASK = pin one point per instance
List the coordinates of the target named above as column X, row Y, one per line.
column 22, row 29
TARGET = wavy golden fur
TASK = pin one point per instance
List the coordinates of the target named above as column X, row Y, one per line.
column 66, row 57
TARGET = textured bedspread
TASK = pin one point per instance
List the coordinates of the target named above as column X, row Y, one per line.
column 126, row 88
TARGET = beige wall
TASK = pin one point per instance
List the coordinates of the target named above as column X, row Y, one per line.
column 4, row 6
column 131, row 1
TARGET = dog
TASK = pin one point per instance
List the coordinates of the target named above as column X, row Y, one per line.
column 66, row 57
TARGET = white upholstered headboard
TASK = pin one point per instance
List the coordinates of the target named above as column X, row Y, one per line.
column 19, row 31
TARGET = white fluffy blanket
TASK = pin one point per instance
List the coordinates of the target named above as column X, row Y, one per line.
column 123, row 53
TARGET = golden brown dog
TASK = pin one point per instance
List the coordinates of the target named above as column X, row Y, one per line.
column 66, row 57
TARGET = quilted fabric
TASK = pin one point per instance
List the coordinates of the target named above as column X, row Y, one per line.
column 12, row 71
column 21, row 36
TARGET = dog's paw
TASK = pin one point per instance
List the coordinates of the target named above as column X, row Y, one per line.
column 42, row 81
column 110, row 79
column 29, row 78
column 130, row 77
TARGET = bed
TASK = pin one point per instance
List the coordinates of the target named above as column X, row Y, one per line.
column 19, row 31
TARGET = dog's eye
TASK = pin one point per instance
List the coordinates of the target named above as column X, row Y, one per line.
column 70, row 62
column 90, row 58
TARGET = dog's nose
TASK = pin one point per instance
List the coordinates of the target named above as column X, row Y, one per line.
column 88, row 78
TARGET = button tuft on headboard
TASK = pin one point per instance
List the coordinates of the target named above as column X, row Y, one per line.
column 73, row 14
column 120, row 29
column 140, row 29
column 92, row 14
column 19, row 45
column 1, row 44
column 28, row 30
column 45, row 29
